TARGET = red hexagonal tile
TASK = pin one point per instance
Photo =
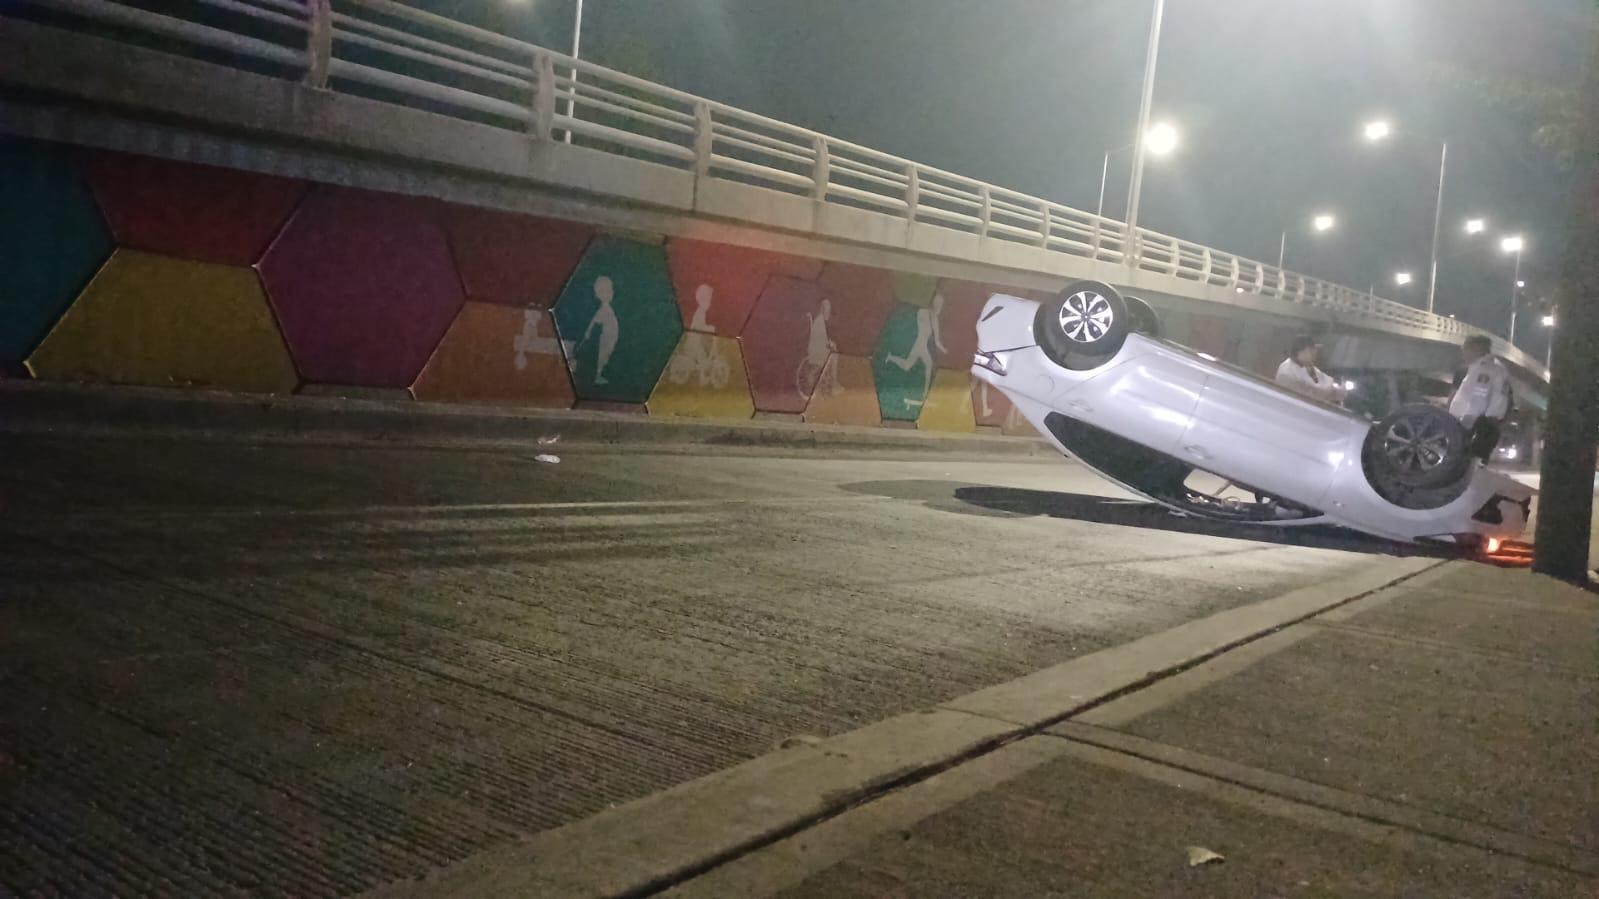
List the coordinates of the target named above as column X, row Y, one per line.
column 958, row 304
column 517, row 260
column 786, row 344
column 363, row 285
column 718, row 284
column 862, row 299
column 190, row 211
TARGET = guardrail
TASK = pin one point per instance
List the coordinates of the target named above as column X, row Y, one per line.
column 386, row 50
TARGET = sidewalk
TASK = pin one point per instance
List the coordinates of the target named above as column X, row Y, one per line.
column 1418, row 729
column 33, row 407
column 1434, row 739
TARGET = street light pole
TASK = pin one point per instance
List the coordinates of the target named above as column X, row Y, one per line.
column 1144, row 103
column 1515, row 291
column 1282, row 249
column 1437, row 220
column 1104, row 171
column 577, row 41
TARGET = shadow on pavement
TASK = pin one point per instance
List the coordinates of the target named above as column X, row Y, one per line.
column 1012, row 502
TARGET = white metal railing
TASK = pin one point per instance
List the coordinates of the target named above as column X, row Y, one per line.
column 397, row 53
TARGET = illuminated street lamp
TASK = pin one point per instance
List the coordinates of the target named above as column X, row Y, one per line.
column 1515, row 243
column 1320, row 222
column 1402, row 278
column 1162, row 139
column 1476, row 226
column 1378, row 131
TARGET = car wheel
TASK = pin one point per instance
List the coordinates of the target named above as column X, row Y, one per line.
column 1141, row 317
column 1083, row 326
column 1416, row 448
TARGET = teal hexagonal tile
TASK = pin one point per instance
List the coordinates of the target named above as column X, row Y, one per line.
column 52, row 241
column 618, row 320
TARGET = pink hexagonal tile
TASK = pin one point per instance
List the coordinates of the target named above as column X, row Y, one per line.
column 364, row 286
column 786, row 344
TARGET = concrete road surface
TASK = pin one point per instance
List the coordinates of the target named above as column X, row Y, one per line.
column 311, row 670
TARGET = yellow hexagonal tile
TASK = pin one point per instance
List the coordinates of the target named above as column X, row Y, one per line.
column 149, row 319
column 949, row 403
column 704, row 379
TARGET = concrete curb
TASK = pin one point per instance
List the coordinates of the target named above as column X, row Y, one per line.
column 661, row 840
column 31, row 407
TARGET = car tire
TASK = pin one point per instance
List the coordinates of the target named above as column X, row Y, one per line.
column 1083, row 326
column 1418, row 447
column 1142, row 318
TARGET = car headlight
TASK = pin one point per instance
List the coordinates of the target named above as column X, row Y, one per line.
column 994, row 362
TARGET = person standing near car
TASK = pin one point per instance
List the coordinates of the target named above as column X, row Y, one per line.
column 1483, row 398
column 1300, row 374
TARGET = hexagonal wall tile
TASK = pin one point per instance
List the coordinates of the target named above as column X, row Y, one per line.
column 518, row 260
column 364, row 286
column 189, row 211
column 52, row 240
column 903, row 364
column 617, row 320
column 958, row 303
column 718, row 284
column 949, row 403
column 149, row 319
column 862, row 298
column 845, row 394
column 990, row 406
column 786, row 344
column 498, row 354
column 704, row 379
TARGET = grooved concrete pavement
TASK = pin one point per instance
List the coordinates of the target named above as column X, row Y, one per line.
column 229, row 668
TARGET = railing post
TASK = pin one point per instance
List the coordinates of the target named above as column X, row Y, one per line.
column 987, row 212
column 913, row 192
column 703, row 137
column 542, row 123
column 1044, row 225
column 319, row 42
column 1209, row 263
column 1232, row 271
column 822, row 171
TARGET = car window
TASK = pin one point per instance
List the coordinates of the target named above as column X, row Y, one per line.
column 1251, row 376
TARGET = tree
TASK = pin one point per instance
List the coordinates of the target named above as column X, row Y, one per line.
column 1565, row 510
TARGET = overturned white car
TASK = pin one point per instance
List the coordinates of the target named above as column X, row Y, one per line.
column 1090, row 371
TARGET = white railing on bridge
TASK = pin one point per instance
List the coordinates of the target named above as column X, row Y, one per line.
column 387, row 50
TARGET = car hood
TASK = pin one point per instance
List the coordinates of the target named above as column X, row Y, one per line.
column 1006, row 323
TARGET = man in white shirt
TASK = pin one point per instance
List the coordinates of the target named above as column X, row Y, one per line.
column 1483, row 398
column 1300, row 374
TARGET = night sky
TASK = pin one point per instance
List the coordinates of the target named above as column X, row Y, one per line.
column 1269, row 95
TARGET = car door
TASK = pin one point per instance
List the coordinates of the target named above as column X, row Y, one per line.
column 1149, row 398
column 1258, row 433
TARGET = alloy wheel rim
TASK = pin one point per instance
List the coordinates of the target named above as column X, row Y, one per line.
column 1086, row 317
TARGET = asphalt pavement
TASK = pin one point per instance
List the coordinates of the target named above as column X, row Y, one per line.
column 229, row 667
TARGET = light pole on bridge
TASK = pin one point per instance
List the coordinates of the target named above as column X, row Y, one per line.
column 1380, row 130
column 1320, row 223
column 1514, row 244
column 1147, row 97
column 1162, row 140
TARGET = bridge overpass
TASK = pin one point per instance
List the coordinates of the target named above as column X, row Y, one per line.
column 433, row 208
